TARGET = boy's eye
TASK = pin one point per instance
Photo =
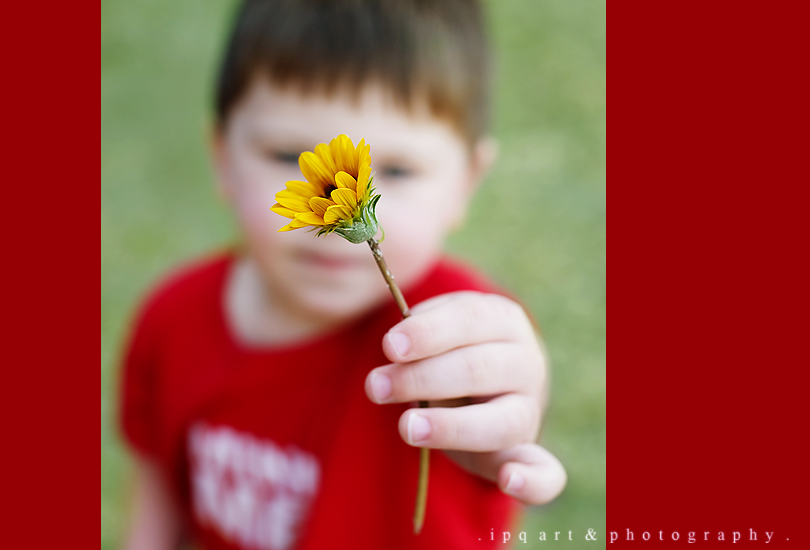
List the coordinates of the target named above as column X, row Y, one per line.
column 395, row 172
column 284, row 157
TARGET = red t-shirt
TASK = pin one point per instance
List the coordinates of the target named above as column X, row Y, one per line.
column 278, row 448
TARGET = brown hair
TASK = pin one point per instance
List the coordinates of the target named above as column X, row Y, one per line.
column 421, row 50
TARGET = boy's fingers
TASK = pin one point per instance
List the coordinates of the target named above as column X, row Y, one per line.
column 485, row 369
column 536, row 482
column 527, row 471
column 500, row 423
column 459, row 319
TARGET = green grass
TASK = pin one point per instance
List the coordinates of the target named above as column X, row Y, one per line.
column 537, row 225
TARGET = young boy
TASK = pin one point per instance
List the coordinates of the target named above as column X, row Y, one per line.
column 270, row 391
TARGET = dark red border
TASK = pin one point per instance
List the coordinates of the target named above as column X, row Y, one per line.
column 50, row 275
column 709, row 371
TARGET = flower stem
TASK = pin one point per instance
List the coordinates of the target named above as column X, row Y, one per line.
column 389, row 279
column 422, row 487
column 424, row 455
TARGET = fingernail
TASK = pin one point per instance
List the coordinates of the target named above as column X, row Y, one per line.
column 418, row 428
column 399, row 342
column 380, row 387
column 514, row 484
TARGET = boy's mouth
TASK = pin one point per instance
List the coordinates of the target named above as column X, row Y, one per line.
column 329, row 262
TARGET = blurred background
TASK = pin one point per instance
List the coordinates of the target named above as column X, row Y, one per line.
column 537, row 226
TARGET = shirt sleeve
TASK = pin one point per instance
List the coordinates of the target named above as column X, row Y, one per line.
column 140, row 381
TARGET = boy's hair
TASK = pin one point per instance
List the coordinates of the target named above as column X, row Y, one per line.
column 421, row 50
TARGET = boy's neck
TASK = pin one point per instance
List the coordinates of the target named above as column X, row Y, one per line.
column 257, row 316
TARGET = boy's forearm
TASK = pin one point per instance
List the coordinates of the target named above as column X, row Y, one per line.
column 154, row 519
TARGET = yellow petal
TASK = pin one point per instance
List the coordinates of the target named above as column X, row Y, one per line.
column 336, row 213
column 319, row 205
column 314, row 169
column 365, row 162
column 286, row 212
column 345, row 181
column 361, row 154
column 363, row 151
column 362, row 177
column 325, row 152
column 309, row 218
column 343, row 152
column 304, row 188
column 334, row 145
column 345, row 197
column 351, row 159
column 293, row 201
column 288, row 227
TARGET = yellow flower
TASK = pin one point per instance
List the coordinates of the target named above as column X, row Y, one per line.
column 337, row 194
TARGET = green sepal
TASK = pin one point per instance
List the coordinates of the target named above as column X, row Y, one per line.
column 358, row 233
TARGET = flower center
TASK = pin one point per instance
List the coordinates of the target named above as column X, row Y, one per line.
column 327, row 191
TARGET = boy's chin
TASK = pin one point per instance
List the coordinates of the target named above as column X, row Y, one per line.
column 334, row 307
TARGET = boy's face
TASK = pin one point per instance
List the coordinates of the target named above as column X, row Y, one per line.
column 421, row 166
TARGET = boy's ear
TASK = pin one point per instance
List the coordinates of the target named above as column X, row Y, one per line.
column 219, row 162
column 484, row 154
column 482, row 158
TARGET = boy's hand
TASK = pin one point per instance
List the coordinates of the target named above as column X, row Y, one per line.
column 475, row 357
